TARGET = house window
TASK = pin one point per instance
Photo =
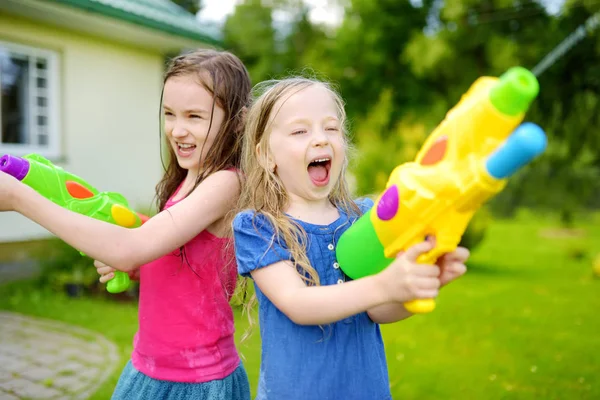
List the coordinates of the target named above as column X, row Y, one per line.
column 29, row 101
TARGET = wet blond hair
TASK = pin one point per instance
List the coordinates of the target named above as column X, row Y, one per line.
column 263, row 192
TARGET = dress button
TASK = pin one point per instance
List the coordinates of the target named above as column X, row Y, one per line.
column 330, row 246
column 336, row 265
column 340, row 281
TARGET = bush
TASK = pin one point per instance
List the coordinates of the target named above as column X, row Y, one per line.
column 65, row 267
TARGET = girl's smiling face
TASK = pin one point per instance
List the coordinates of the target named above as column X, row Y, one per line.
column 189, row 126
column 306, row 143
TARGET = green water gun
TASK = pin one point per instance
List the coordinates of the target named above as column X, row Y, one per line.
column 75, row 194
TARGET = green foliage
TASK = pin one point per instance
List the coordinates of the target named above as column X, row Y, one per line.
column 66, row 266
column 367, row 56
column 401, row 65
column 487, row 37
column 193, row 6
column 249, row 34
column 383, row 145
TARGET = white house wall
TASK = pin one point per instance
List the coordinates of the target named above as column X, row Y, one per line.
column 109, row 96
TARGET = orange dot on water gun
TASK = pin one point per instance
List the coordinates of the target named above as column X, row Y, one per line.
column 123, row 216
column 143, row 217
column 436, row 152
column 78, row 191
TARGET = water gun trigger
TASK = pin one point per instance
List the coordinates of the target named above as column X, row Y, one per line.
column 117, row 198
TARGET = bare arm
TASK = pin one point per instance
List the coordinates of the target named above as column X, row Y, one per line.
column 388, row 313
column 403, row 280
column 125, row 249
column 315, row 305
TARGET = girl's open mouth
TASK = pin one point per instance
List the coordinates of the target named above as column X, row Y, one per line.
column 185, row 150
column 318, row 171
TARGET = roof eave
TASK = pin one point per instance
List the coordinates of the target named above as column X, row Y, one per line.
column 83, row 20
column 113, row 12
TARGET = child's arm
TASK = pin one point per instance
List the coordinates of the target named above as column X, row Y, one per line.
column 388, row 313
column 122, row 248
column 452, row 266
column 403, row 280
column 107, row 273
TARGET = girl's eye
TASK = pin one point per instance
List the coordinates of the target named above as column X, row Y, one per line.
column 298, row 131
column 332, row 129
column 196, row 116
column 168, row 113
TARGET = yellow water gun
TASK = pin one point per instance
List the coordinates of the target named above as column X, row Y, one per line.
column 464, row 162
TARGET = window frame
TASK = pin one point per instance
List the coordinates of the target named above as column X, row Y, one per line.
column 53, row 148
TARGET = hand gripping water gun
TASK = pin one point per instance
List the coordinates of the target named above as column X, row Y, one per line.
column 75, row 194
column 463, row 163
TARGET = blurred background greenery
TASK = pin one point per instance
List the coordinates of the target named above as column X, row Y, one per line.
column 401, row 65
column 523, row 323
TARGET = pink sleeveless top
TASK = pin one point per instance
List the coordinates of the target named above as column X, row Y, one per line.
column 185, row 321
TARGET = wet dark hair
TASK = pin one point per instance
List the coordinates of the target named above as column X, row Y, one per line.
column 230, row 87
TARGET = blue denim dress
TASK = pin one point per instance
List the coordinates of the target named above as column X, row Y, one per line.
column 343, row 360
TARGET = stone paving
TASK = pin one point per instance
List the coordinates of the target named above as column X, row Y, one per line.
column 44, row 359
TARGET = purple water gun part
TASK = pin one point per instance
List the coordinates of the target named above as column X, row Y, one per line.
column 15, row 166
column 388, row 204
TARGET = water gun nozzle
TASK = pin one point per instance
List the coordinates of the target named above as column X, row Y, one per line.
column 15, row 166
column 515, row 91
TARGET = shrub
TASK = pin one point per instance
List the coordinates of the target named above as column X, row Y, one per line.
column 66, row 266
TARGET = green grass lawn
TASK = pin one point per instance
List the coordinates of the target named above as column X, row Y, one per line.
column 523, row 323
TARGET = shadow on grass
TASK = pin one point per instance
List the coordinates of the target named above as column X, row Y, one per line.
column 486, row 269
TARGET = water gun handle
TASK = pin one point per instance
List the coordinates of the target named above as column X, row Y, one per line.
column 421, row 306
column 119, row 283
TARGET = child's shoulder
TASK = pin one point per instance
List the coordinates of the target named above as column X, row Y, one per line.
column 250, row 219
column 364, row 203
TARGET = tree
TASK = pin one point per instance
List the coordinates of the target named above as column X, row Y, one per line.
column 466, row 39
column 249, row 34
column 366, row 56
column 303, row 45
column 192, row 6
column 402, row 64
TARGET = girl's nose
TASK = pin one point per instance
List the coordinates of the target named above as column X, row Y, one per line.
column 179, row 131
column 320, row 138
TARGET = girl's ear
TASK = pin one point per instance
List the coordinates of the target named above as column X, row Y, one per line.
column 265, row 159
